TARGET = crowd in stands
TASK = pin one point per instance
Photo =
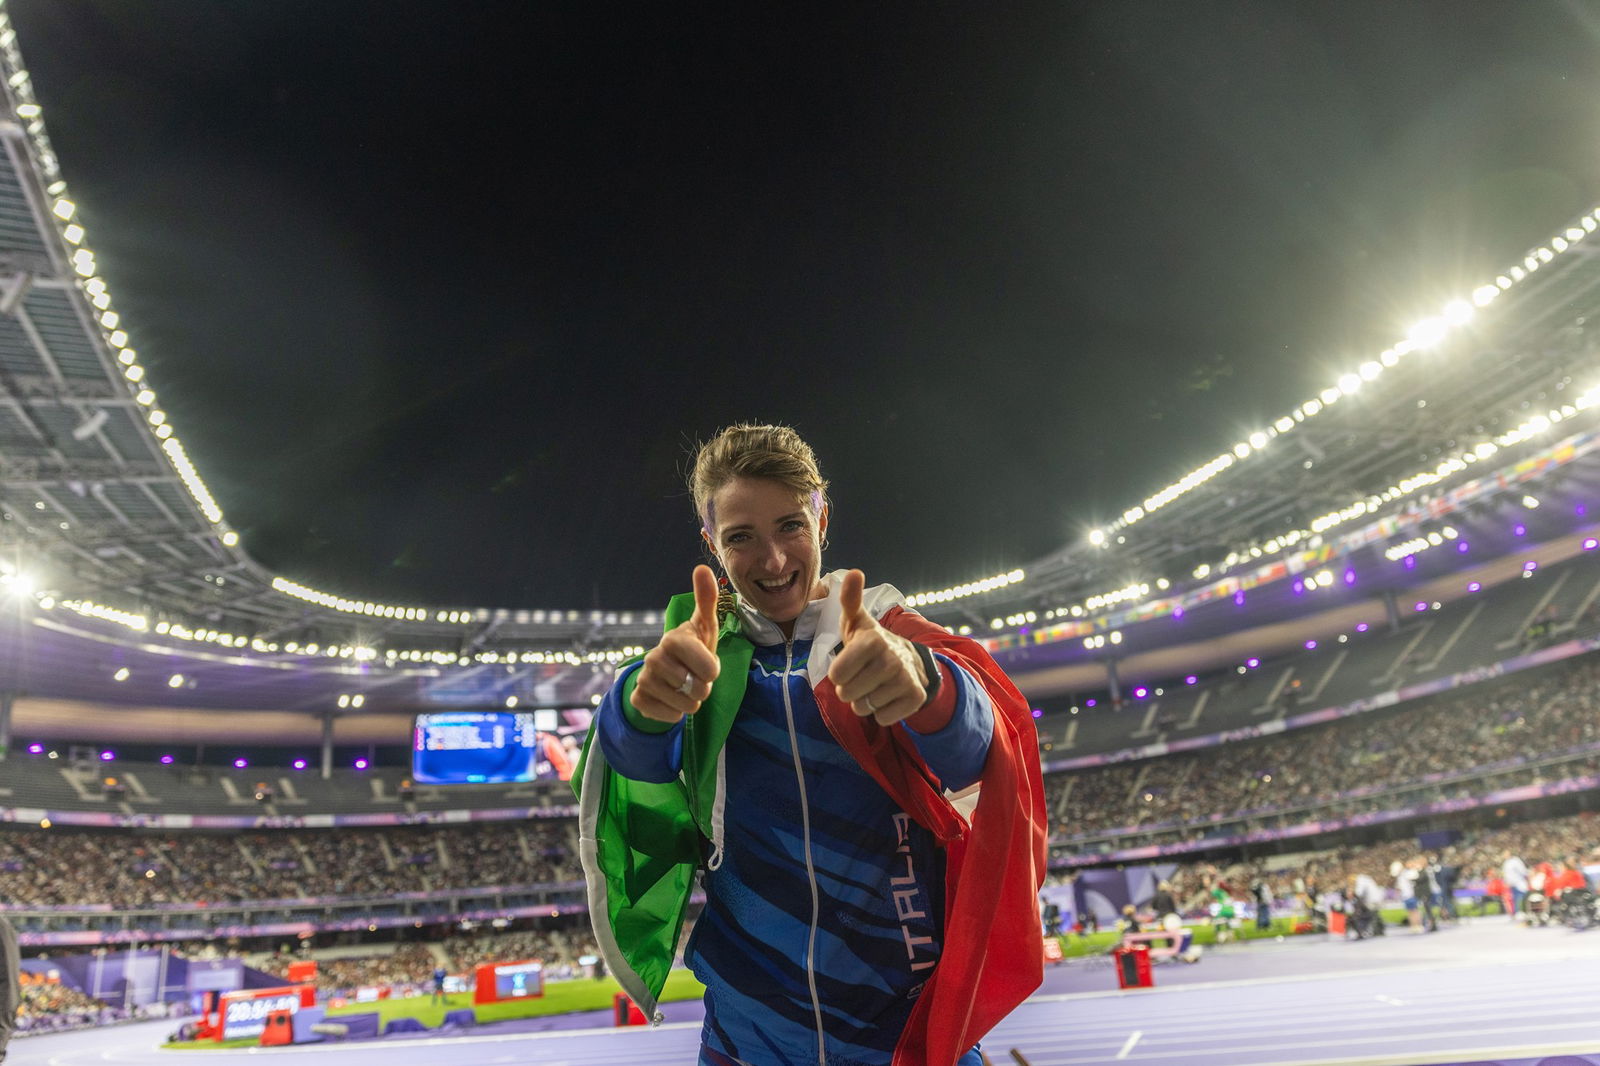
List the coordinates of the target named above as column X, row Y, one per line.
column 48, row 1007
column 409, row 967
column 1338, row 768
column 1475, row 862
column 62, row 867
column 1330, row 769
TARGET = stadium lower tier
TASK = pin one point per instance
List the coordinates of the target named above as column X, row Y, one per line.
column 67, row 990
column 1538, row 731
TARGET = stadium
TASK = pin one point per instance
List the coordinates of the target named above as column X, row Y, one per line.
column 236, row 809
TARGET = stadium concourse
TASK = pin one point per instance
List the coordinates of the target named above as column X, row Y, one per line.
column 1332, row 651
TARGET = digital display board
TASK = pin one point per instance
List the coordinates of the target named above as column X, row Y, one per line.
column 496, row 982
column 490, row 747
column 244, row 1014
column 518, row 981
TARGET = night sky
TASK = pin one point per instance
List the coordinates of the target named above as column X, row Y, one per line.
column 438, row 295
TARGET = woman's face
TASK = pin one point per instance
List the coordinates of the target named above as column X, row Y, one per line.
column 769, row 542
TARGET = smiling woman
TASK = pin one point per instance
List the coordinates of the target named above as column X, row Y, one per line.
column 800, row 738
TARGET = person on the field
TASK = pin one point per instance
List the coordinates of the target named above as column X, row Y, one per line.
column 10, row 984
column 1405, row 876
column 1163, row 903
column 1261, row 891
column 798, row 737
column 1515, row 873
column 1364, row 904
column 1222, row 912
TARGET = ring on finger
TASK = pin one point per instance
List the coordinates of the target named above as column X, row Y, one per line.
column 688, row 683
column 873, row 707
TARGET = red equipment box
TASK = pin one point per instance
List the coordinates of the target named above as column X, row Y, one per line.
column 625, row 1011
column 279, row 1031
column 1133, row 966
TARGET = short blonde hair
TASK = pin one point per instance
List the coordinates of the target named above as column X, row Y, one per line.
column 750, row 450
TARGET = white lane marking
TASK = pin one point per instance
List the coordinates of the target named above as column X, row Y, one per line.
column 1420, row 1044
column 1132, row 1040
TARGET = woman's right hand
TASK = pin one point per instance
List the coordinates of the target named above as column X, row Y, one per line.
column 677, row 673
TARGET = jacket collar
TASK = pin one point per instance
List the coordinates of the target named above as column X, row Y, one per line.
column 819, row 617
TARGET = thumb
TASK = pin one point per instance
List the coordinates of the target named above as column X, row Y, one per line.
column 851, row 614
column 704, row 618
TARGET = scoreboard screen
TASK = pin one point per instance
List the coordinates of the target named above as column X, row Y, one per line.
column 473, row 747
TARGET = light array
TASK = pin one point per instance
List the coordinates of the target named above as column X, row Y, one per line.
column 443, row 657
column 1426, row 334
column 314, row 649
column 568, row 658
column 1447, row 467
column 366, row 607
column 82, row 258
column 970, row 588
column 109, row 614
column 1418, row 545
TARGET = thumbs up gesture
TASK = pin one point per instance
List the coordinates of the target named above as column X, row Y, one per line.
column 878, row 673
column 677, row 673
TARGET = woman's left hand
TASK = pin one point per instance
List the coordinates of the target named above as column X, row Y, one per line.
column 879, row 674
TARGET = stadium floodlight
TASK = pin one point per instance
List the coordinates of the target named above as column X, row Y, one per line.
column 970, row 588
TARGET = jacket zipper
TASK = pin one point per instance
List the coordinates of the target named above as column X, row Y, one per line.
column 811, row 870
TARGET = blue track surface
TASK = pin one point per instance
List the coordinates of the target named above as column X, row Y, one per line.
column 1480, row 993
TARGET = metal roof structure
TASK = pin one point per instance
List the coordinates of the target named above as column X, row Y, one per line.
column 104, row 514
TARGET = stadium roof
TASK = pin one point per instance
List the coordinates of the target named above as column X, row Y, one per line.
column 105, row 512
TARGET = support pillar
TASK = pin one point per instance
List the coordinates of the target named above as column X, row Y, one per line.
column 1391, row 610
column 327, row 745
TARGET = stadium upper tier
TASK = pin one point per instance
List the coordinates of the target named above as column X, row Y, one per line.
column 1367, row 657
column 111, row 538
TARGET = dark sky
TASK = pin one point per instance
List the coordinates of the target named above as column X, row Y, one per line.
column 438, row 294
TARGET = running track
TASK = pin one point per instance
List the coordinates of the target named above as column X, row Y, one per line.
column 1484, row 992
